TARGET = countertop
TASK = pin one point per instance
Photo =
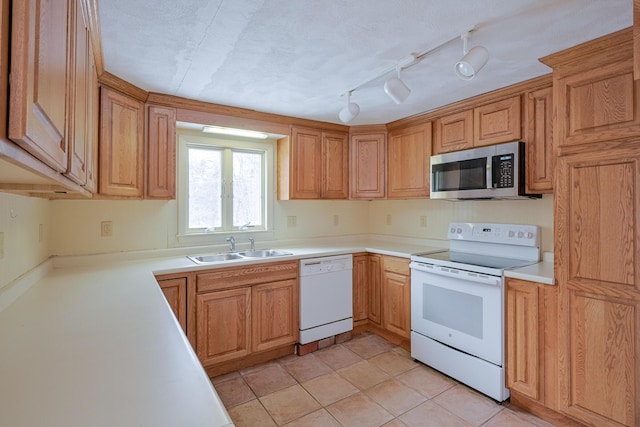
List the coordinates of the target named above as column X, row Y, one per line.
column 541, row 272
column 94, row 343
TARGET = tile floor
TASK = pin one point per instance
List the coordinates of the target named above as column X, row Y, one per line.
column 366, row 381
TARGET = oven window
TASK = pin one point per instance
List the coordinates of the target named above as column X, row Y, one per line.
column 452, row 309
column 462, row 175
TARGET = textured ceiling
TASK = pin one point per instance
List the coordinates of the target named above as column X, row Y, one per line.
column 297, row 57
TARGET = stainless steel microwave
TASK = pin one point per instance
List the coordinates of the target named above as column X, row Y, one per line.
column 491, row 172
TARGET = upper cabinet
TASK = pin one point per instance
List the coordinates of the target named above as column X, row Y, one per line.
column 367, row 171
column 121, row 145
column 313, row 164
column 539, row 138
column 409, row 152
column 487, row 124
column 161, row 153
column 38, row 82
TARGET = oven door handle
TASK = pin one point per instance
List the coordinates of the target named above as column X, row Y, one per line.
column 468, row 276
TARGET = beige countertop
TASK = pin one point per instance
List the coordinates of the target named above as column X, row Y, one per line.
column 94, row 343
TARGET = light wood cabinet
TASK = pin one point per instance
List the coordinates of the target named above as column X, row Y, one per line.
column 275, row 314
column 240, row 311
column 409, row 153
column 360, row 287
column 487, row 124
column 161, row 153
column 539, row 140
column 38, row 96
column 93, row 124
column 121, row 168
column 375, row 288
column 367, row 171
column 335, row 166
column 531, row 341
column 313, row 164
column 453, row 132
column 175, row 291
column 497, row 122
column 223, row 325
column 597, row 207
column 396, row 296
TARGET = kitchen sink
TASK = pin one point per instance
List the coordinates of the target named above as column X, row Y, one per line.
column 228, row 256
column 207, row 259
column 264, row 253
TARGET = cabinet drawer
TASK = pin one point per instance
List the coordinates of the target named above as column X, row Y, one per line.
column 396, row 265
column 225, row 278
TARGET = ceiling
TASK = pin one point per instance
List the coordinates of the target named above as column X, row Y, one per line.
column 296, row 58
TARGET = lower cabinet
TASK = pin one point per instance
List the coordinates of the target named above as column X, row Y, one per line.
column 374, row 267
column 360, row 287
column 396, row 296
column 242, row 311
column 531, row 343
column 175, row 291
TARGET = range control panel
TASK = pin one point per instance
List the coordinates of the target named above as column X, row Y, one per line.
column 514, row 234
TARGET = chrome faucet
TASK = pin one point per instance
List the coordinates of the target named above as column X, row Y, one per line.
column 253, row 243
column 232, row 243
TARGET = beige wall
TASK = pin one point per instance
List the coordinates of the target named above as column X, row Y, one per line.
column 139, row 225
column 24, row 246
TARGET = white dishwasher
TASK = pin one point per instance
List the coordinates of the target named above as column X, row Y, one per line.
column 326, row 297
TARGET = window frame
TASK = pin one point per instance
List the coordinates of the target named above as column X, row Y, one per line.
column 188, row 237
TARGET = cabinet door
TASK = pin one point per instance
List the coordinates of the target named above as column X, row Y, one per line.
column 497, row 122
column 409, row 153
column 453, row 132
column 161, row 153
column 367, row 171
column 275, row 314
column 175, row 291
column 335, row 166
column 121, row 145
column 360, row 287
column 599, row 104
column 396, row 296
column 539, row 139
column 375, row 288
column 597, row 259
column 522, row 337
column 93, row 121
column 306, row 167
column 78, row 108
column 223, row 325
column 38, row 83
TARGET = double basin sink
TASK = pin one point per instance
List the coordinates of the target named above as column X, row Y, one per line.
column 228, row 256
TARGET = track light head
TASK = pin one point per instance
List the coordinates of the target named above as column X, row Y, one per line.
column 350, row 111
column 472, row 61
column 396, row 89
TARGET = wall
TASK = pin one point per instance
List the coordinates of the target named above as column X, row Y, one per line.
column 405, row 216
column 139, row 225
column 24, row 245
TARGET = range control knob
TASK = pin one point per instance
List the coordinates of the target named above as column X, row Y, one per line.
column 511, row 233
column 453, row 230
column 459, row 230
column 520, row 234
column 529, row 235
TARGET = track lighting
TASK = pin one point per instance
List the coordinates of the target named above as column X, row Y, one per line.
column 396, row 89
column 350, row 111
column 472, row 61
column 466, row 68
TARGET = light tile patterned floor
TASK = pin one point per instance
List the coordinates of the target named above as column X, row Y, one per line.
column 363, row 382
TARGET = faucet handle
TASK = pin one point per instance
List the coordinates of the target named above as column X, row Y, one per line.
column 253, row 243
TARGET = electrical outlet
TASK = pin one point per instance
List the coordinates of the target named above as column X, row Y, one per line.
column 336, row 220
column 40, row 233
column 388, row 219
column 291, row 221
column 1, row 245
column 423, row 220
column 106, row 229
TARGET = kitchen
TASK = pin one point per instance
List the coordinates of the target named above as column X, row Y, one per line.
column 72, row 227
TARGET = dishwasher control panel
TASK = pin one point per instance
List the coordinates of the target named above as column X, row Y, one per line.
column 312, row 266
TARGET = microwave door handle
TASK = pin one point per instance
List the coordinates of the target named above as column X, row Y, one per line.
column 489, row 177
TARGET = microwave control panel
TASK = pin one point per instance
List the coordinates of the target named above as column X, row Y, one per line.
column 503, row 170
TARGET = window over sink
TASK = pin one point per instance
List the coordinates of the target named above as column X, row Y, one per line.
column 225, row 186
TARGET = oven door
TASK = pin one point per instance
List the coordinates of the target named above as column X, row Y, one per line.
column 458, row 308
